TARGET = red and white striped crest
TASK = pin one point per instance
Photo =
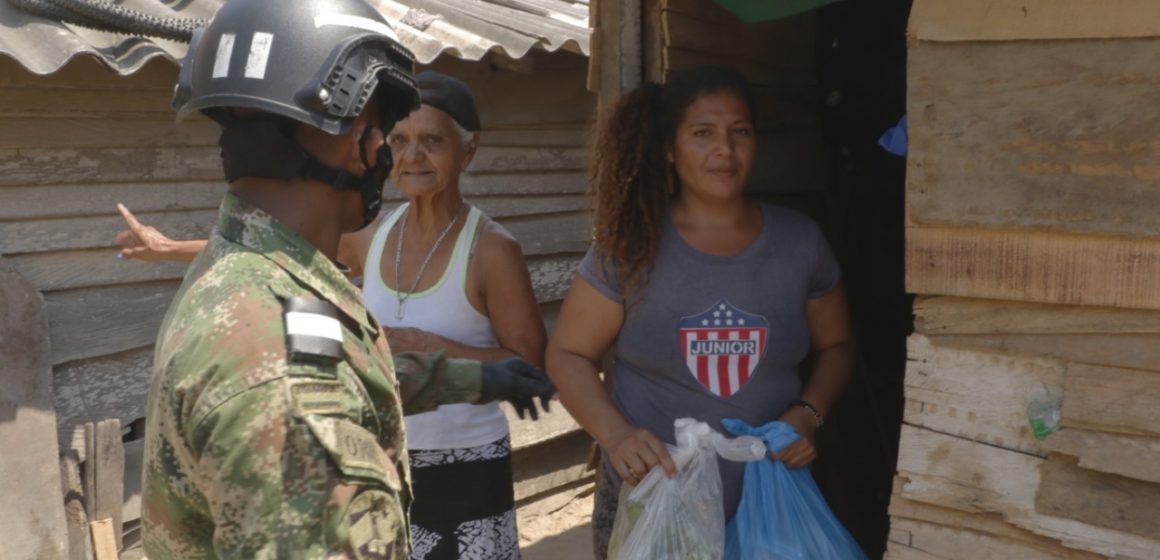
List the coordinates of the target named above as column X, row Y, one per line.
column 722, row 346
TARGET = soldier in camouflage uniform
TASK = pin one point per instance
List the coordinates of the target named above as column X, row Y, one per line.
column 274, row 427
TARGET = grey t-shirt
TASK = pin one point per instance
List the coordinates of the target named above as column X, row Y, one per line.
column 714, row 337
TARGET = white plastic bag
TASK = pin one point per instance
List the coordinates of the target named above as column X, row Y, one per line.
column 682, row 518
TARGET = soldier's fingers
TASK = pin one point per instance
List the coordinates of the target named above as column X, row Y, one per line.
column 129, row 218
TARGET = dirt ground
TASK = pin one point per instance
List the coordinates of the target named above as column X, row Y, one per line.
column 557, row 528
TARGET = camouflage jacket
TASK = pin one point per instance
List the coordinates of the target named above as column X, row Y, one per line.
column 261, row 443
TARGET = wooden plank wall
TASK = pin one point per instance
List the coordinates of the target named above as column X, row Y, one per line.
column 74, row 143
column 1033, row 238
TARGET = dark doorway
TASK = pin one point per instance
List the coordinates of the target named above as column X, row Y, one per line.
column 861, row 49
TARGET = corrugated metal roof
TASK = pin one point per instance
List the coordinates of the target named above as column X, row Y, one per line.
column 467, row 29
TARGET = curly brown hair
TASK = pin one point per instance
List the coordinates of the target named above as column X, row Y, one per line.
column 631, row 183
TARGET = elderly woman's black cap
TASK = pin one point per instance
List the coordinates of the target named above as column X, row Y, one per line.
column 450, row 96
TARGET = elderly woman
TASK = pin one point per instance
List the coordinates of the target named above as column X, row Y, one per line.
column 438, row 275
column 710, row 298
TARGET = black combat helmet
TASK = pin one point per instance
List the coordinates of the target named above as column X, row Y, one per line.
column 315, row 61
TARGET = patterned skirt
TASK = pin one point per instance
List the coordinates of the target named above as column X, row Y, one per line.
column 464, row 506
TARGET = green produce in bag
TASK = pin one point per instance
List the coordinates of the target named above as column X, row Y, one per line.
column 681, row 518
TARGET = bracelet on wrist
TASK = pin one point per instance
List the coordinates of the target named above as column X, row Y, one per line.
column 813, row 410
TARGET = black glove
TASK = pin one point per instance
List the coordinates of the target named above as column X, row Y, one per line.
column 518, row 382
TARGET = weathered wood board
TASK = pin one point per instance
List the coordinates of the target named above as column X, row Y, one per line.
column 89, row 323
column 79, row 541
column 1138, row 351
column 1131, row 456
column 954, row 316
column 104, row 539
column 1034, row 266
column 932, row 540
column 903, row 511
column 510, row 206
column 104, row 469
column 1119, row 400
column 97, row 199
column 98, row 232
column 1044, row 135
column 976, row 395
column 981, row 479
column 1024, row 20
column 547, row 235
column 531, row 183
column 1098, row 499
column 553, row 93
column 85, row 268
column 134, row 467
column 180, row 163
column 551, row 464
column 778, row 44
column 24, row 133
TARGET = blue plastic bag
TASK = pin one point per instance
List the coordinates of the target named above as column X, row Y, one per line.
column 782, row 515
column 895, row 140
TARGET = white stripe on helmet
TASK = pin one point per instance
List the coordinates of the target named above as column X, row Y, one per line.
column 357, row 22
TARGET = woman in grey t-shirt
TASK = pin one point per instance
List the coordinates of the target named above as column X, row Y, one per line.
column 711, row 299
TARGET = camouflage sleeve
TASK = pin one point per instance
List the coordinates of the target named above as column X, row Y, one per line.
column 281, row 484
column 427, row 380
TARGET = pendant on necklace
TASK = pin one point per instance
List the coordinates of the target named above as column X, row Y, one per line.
column 401, row 310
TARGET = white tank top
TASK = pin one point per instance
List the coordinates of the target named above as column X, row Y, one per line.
column 444, row 310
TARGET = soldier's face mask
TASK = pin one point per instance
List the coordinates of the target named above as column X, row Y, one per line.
column 375, row 177
column 265, row 147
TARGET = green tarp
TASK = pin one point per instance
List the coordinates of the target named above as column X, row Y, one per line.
column 765, row 10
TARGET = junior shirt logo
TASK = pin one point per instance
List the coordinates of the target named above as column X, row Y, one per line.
column 722, row 346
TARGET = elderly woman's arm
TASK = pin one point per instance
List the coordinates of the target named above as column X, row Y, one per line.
column 146, row 243
column 833, row 344
column 500, row 277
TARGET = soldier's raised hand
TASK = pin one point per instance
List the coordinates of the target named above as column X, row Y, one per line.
column 518, row 382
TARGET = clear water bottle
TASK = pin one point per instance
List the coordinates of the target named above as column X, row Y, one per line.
column 1043, row 411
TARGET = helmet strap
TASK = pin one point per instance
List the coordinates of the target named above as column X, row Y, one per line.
column 266, row 148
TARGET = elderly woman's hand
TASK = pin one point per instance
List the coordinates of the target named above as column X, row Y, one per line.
column 801, row 452
column 141, row 241
column 408, row 339
column 146, row 243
